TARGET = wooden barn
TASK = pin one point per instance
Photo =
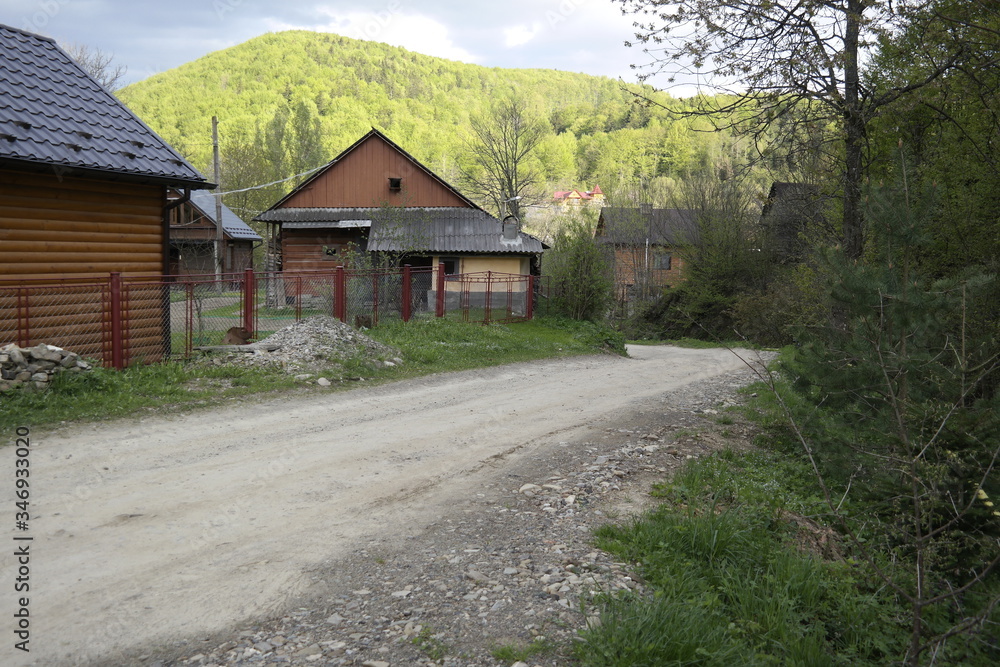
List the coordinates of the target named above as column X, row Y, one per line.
column 376, row 197
column 83, row 194
column 193, row 231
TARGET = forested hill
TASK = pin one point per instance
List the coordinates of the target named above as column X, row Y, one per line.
column 281, row 85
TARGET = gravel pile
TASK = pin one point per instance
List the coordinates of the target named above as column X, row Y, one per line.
column 315, row 344
column 512, row 565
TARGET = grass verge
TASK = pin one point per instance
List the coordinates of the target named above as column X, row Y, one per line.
column 427, row 346
column 740, row 570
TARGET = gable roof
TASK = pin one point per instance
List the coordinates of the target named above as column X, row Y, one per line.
column 658, row 226
column 373, row 134
column 56, row 116
column 232, row 225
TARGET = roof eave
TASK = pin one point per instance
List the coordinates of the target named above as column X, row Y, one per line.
column 63, row 170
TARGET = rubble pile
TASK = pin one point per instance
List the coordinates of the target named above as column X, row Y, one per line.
column 32, row 368
column 310, row 345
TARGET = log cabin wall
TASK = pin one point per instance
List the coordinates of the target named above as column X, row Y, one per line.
column 56, row 228
column 67, row 227
column 316, row 249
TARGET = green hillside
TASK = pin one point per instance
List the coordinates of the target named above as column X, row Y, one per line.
column 325, row 91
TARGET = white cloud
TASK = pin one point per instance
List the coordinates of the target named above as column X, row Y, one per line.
column 411, row 31
column 520, row 34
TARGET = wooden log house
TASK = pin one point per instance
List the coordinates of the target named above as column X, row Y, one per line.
column 376, row 197
column 83, row 194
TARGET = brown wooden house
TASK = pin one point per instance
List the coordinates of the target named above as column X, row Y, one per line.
column 376, row 197
column 83, row 193
column 193, row 231
column 644, row 243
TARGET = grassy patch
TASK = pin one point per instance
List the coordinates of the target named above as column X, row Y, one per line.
column 434, row 345
column 427, row 346
column 105, row 393
column 732, row 580
column 431, row 644
column 510, row 653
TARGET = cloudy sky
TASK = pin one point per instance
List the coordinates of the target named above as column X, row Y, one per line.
column 149, row 37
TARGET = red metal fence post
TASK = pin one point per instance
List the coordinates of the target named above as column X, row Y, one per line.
column 439, row 297
column 188, row 319
column 117, row 323
column 23, row 317
column 407, row 295
column 488, row 305
column 529, row 305
column 375, row 277
column 340, row 306
column 250, row 302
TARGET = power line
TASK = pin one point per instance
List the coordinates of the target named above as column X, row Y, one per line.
column 266, row 185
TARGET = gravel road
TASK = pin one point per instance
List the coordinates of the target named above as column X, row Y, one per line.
column 381, row 526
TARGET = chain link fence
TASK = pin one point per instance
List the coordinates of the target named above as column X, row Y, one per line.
column 121, row 321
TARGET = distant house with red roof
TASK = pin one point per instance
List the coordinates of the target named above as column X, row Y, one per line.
column 579, row 197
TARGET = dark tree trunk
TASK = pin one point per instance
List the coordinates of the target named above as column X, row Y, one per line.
column 854, row 136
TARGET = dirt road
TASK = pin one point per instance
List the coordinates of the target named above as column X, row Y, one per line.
column 152, row 529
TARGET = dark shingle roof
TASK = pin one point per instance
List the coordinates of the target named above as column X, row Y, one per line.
column 52, row 113
column 658, row 226
column 231, row 223
column 425, row 229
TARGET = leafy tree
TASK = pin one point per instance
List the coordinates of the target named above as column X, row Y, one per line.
column 788, row 59
column 899, row 413
column 580, row 271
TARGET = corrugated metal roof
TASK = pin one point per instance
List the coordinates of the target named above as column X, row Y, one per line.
column 231, row 223
column 333, row 224
column 54, row 113
column 458, row 231
column 660, row 226
column 428, row 229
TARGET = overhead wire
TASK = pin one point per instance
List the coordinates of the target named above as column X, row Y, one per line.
column 266, row 185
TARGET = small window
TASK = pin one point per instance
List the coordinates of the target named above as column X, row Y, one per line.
column 451, row 265
column 331, row 251
column 662, row 262
column 395, row 184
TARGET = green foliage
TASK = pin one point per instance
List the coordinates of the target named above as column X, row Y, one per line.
column 510, row 654
column 431, row 644
column 105, row 393
column 580, row 271
column 693, row 309
column 896, row 402
column 335, row 88
column 795, row 298
column 727, row 585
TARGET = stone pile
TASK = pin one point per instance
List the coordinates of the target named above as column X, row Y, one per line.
column 32, row 368
column 310, row 345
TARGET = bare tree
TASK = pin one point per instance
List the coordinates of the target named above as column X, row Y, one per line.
column 98, row 64
column 498, row 151
column 783, row 59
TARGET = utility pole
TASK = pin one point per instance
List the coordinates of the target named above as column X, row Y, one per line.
column 219, row 239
